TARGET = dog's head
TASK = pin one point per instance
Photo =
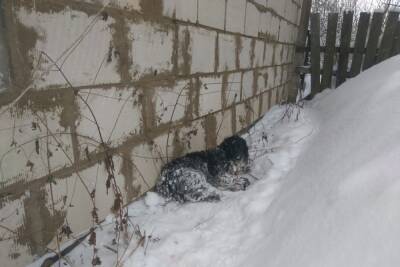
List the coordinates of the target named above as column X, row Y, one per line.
column 237, row 153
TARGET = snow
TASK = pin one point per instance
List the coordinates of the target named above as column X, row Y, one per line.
column 325, row 193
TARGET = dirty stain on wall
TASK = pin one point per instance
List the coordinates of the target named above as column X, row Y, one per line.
column 158, row 78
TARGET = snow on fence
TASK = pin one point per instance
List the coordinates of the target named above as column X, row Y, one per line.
column 377, row 38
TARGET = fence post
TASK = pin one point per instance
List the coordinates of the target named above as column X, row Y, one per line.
column 359, row 44
column 372, row 45
column 315, row 54
column 330, row 51
column 345, row 38
column 388, row 36
column 396, row 41
column 301, row 41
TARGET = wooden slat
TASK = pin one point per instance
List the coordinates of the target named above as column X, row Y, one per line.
column 330, row 51
column 359, row 44
column 372, row 44
column 315, row 54
column 396, row 41
column 345, row 38
column 387, row 40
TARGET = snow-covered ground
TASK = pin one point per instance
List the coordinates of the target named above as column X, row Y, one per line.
column 326, row 193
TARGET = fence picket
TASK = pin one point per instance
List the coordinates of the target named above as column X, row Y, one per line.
column 330, row 51
column 365, row 53
column 360, row 44
column 345, row 38
column 396, row 41
column 372, row 44
column 315, row 54
column 388, row 36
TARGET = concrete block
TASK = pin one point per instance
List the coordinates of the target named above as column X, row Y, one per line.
column 285, row 54
column 283, row 31
column 192, row 136
column 245, row 52
column 170, row 102
column 285, row 77
column 152, row 49
column 271, row 77
column 269, row 53
column 278, row 6
column 57, row 35
column 262, row 79
column 265, row 102
column 235, row 15
column 264, row 24
column 241, row 117
column 248, row 84
column 224, row 125
column 185, row 10
column 274, row 100
column 210, row 98
column 212, row 13
column 71, row 191
column 252, row 20
column 278, row 54
column 292, row 12
column 231, row 88
column 278, row 75
column 196, row 50
column 148, row 158
column 273, row 29
column 261, row 2
column 259, row 54
column 226, row 52
column 254, row 111
column 118, row 112
column 25, row 138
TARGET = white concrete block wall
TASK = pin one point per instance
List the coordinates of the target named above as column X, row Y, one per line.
column 178, row 72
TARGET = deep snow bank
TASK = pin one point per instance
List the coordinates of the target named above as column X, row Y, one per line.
column 340, row 204
column 333, row 202
column 207, row 234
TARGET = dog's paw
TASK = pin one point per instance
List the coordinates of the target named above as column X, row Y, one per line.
column 213, row 198
column 243, row 183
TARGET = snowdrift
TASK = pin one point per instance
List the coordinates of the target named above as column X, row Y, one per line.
column 326, row 193
column 340, row 204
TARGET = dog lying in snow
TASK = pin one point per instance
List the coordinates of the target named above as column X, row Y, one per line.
column 197, row 176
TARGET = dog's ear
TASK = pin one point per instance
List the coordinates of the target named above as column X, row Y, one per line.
column 234, row 147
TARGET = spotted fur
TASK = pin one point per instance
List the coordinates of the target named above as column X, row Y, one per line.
column 200, row 175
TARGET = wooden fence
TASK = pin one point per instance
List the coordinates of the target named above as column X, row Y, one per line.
column 376, row 39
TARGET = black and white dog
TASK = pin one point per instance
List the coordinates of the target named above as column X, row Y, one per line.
column 198, row 176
